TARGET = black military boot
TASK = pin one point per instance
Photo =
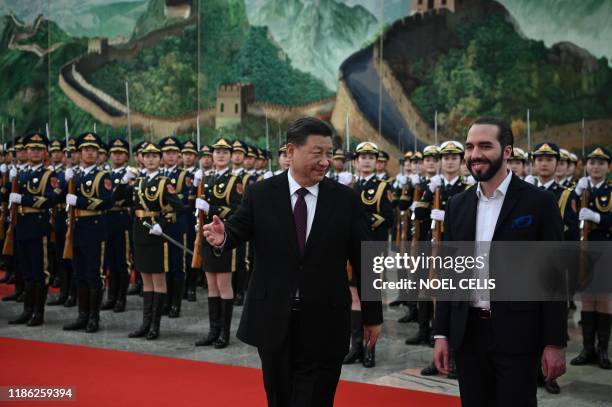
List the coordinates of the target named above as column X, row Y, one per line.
column 111, row 292
column 71, row 301
column 587, row 355
column 369, row 357
column 603, row 338
column 28, row 305
column 95, row 299
column 192, row 282
column 19, row 294
column 136, row 288
column 412, row 315
column 169, row 291
column 82, row 318
column 40, row 297
column 64, row 276
column 124, row 282
column 147, row 313
column 214, row 318
column 177, row 298
column 355, row 354
column 158, row 303
column 227, row 307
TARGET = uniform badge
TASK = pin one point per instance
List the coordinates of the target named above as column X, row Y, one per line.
column 54, row 182
column 88, row 183
column 170, row 189
column 239, row 188
column 108, row 184
column 153, row 188
column 188, row 181
column 370, row 191
column 573, row 204
column 389, row 195
column 221, row 185
column 116, row 180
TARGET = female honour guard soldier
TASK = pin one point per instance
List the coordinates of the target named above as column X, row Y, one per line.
column 376, row 197
column 222, row 194
column 155, row 201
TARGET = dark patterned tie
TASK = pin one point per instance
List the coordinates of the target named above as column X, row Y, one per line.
column 300, row 216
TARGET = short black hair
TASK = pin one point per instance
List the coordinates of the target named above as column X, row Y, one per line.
column 299, row 130
column 504, row 133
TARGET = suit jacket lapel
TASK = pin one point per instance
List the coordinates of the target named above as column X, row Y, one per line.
column 282, row 203
column 469, row 212
column 323, row 211
column 510, row 200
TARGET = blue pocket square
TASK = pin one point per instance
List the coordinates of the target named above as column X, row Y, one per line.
column 522, row 222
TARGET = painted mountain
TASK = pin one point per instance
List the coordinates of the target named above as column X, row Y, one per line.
column 316, row 35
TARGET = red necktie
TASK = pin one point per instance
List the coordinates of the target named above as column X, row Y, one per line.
column 300, row 216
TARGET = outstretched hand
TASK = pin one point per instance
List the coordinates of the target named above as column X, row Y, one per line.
column 214, row 232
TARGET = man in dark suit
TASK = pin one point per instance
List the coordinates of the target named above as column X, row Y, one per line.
column 497, row 344
column 304, row 228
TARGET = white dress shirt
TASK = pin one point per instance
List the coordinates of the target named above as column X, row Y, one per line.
column 546, row 185
column 311, row 200
column 85, row 171
column 486, row 219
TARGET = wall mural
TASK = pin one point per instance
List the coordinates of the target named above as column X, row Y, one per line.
column 385, row 68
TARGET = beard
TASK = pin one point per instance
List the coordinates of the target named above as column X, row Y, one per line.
column 487, row 174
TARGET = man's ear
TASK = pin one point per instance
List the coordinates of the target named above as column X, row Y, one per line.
column 290, row 150
column 507, row 152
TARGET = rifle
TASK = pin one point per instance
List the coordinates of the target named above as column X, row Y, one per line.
column 9, row 243
column 196, row 260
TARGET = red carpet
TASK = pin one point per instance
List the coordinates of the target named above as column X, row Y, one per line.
column 115, row 378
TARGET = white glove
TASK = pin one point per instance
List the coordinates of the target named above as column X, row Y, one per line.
column 268, row 174
column 15, row 198
column 437, row 214
column 413, row 206
column 202, row 205
column 197, row 178
column 415, row 179
column 12, row 174
column 71, row 199
column 587, row 214
column 156, row 230
column 68, row 174
column 345, row 178
column 532, row 179
column 401, row 180
column 435, row 182
column 3, row 168
column 470, row 180
column 127, row 177
column 583, row 183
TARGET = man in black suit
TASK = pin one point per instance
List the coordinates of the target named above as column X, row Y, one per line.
column 497, row 344
column 304, row 228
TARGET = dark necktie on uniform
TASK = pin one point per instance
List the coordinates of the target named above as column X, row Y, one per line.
column 300, row 216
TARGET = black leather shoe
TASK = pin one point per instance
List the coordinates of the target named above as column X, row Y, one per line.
column 239, row 300
column 28, row 305
column 369, row 357
column 191, row 295
column 430, row 370
column 95, row 300
column 119, row 306
column 552, row 387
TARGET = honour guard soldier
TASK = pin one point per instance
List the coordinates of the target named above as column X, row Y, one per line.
column 72, row 161
column 381, row 166
column 249, row 161
column 206, row 160
column 62, row 266
column 34, row 197
column 436, row 194
column 221, row 197
column 376, row 196
column 239, row 277
column 189, row 153
column 337, row 172
column 155, row 202
column 118, row 244
column 103, row 157
column 91, row 197
column 595, row 192
column 136, row 289
column 517, row 162
column 570, row 176
column 180, row 180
